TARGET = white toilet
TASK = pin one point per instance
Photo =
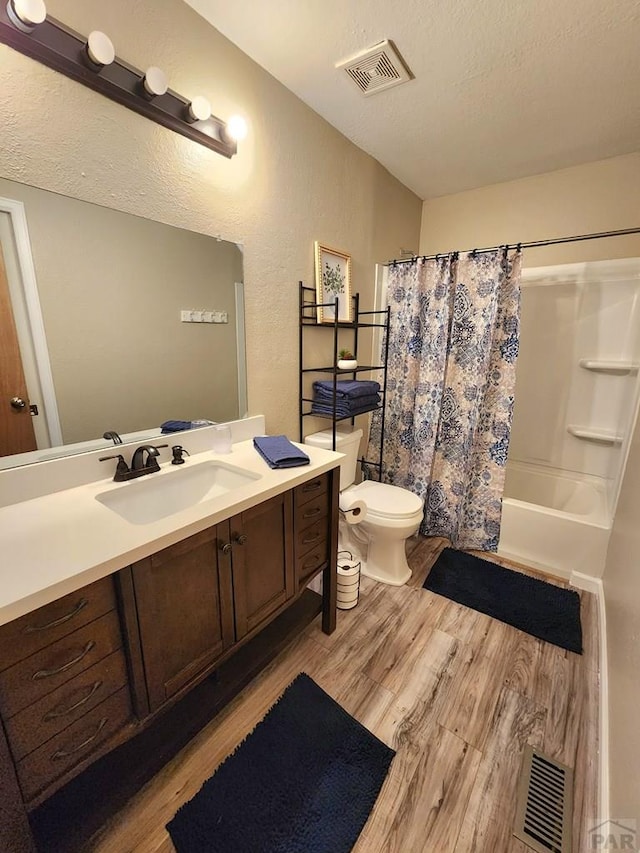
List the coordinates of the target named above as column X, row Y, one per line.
column 392, row 514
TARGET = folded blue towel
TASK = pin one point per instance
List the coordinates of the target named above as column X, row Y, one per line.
column 344, row 405
column 174, row 426
column 344, row 409
column 179, row 426
column 278, row 452
column 350, row 388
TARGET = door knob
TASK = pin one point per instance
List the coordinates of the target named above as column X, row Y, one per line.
column 17, row 403
column 226, row 548
column 240, row 539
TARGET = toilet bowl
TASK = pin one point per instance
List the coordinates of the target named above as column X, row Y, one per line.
column 392, row 514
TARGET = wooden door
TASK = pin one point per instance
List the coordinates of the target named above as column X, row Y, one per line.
column 16, row 426
column 185, row 612
column 263, row 569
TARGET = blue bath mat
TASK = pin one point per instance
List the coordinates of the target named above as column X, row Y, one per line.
column 541, row 609
column 304, row 781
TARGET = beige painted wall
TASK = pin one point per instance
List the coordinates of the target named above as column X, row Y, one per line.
column 599, row 196
column 594, row 197
column 622, row 596
column 295, row 180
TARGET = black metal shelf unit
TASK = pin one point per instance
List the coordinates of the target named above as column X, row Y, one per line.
column 373, row 320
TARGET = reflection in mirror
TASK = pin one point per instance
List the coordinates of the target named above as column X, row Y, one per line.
column 93, row 301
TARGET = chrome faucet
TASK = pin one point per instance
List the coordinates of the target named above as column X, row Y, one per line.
column 144, row 461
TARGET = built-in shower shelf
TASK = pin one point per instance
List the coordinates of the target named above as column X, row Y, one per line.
column 609, row 365
column 602, row 436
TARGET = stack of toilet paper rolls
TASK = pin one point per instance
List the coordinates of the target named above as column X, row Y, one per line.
column 348, row 580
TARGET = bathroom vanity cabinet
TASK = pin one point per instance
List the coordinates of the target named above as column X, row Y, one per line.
column 90, row 671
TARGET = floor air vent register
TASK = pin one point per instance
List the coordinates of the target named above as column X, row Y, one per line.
column 545, row 803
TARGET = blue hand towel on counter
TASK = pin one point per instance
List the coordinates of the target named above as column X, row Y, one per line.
column 346, row 388
column 278, row 452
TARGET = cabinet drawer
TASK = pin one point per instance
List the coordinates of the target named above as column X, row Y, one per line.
column 309, row 563
column 311, row 489
column 316, row 507
column 34, row 677
column 30, row 633
column 36, row 724
column 311, row 537
column 73, row 745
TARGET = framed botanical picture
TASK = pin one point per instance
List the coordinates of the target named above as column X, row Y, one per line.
column 333, row 278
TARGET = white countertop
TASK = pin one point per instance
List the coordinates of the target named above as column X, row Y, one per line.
column 60, row 542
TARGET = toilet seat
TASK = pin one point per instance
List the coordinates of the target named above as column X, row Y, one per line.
column 385, row 501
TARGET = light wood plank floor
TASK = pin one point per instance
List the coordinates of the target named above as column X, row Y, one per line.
column 455, row 693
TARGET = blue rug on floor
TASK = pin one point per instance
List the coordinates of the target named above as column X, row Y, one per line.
column 304, row 781
column 541, row 609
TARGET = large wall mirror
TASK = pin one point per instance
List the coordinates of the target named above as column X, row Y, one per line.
column 93, row 298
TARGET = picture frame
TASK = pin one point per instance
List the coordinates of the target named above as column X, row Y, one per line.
column 333, row 278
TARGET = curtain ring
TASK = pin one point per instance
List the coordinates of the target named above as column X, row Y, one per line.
column 519, row 247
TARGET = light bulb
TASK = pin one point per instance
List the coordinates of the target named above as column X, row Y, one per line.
column 199, row 109
column 155, row 81
column 236, row 128
column 100, row 48
column 25, row 15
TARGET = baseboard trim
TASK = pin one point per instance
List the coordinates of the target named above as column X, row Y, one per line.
column 594, row 585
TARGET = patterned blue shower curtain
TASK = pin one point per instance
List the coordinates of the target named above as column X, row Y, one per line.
column 450, row 389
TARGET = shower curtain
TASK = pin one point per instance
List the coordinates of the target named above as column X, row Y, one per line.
column 453, row 343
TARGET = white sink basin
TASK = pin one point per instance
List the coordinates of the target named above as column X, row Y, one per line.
column 156, row 496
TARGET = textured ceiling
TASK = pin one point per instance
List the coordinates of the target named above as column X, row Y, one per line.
column 502, row 89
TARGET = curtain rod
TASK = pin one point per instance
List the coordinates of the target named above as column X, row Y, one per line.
column 530, row 245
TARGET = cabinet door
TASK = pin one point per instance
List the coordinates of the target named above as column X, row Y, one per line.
column 262, row 539
column 185, row 613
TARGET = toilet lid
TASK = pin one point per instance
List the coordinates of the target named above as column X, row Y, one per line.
column 389, row 501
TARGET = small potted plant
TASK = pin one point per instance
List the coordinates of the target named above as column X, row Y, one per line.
column 346, row 360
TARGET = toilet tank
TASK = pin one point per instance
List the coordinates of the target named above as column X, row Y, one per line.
column 347, row 443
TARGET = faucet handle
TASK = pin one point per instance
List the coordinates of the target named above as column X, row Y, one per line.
column 122, row 469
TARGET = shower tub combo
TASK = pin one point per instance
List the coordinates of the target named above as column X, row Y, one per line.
column 554, row 520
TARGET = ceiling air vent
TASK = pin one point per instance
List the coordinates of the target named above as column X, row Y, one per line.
column 377, row 68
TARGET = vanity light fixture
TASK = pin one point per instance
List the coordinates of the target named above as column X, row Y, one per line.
column 236, row 128
column 155, row 82
column 198, row 110
column 26, row 14
column 100, row 49
column 26, row 27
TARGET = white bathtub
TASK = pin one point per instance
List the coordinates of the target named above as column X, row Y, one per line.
column 554, row 520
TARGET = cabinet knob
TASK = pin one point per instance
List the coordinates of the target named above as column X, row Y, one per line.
column 226, row 548
column 240, row 539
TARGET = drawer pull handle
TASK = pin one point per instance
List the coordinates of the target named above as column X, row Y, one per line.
column 47, row 673
column 311, row 487
column 55, row 714
column 30, row 629
column 240, row 539
column 311, row 539
column 311, row 513
column 65, row 753
column 226, row 547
